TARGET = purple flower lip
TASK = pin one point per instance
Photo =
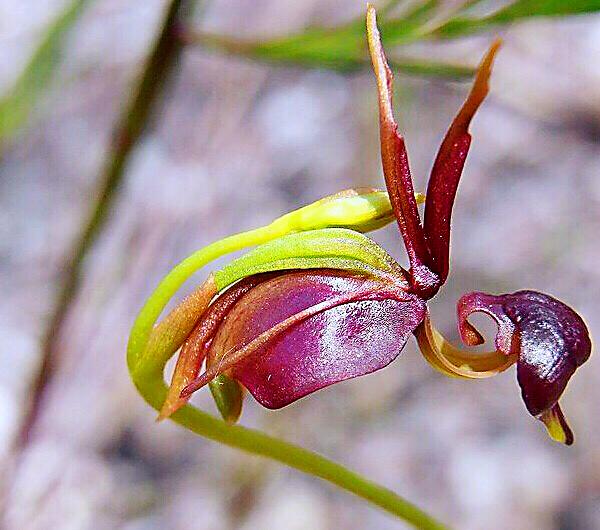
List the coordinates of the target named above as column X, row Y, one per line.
column 549, row 338
column 286, row 334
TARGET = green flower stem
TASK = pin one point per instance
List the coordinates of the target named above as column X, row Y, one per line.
column 150, row 384
column 144, row 323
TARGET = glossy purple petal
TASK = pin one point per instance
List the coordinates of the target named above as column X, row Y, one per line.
column 348, row 340
column 195, row 348
column 550, row 338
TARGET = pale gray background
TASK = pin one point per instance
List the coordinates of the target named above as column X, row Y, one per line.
column 238, row 144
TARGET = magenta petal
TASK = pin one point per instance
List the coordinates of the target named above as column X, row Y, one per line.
column 549, row 337
column 348, row 340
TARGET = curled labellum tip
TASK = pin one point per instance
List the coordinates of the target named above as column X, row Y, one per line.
column 550, row 340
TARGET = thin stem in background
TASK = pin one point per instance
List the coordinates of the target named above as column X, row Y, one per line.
column 17, row 105
column 342, row 47
column 128, row 131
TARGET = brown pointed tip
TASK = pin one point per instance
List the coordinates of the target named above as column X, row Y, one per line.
column 485, row 67
column 198, row 383
column 479, row 90
column 169, row 408
column 557, row 426
column 381, row 68
column 373, row 38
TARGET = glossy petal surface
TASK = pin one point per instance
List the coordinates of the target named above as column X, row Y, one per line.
column 195, row 348
column 348, row 340
column 550, row 338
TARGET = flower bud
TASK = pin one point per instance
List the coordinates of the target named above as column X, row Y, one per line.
column 362, row 209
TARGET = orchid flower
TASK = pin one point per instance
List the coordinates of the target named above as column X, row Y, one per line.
column 317, row 302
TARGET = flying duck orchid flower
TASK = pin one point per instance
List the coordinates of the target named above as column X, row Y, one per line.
column 317, row 302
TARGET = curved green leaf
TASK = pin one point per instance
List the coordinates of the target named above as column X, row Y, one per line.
column 343, row 48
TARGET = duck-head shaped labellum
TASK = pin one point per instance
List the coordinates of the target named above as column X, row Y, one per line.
column 549, row 339
column 320, row 306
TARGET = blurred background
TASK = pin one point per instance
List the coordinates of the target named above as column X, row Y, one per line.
column 232, row 143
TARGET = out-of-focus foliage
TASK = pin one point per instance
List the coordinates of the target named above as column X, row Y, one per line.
column 514, row 11
column 343, row 47
column 340, row 48
column 16, row 106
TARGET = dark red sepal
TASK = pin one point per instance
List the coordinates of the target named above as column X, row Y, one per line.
column 447, row 170
column 396, row 171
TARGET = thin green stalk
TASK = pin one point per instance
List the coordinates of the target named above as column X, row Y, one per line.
column 147, row 368
column 151, row 386
column 129, row 129
column 170, row 284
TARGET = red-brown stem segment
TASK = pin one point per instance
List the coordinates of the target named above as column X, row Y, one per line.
column 396, row 169
column 448, row 167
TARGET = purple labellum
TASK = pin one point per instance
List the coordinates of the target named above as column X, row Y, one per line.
column 551, row 341
column 362, row 333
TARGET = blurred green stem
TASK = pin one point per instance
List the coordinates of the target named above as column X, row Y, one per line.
column 17, row 104
column 129, row 129
column 336, row 50
column 343, row 47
